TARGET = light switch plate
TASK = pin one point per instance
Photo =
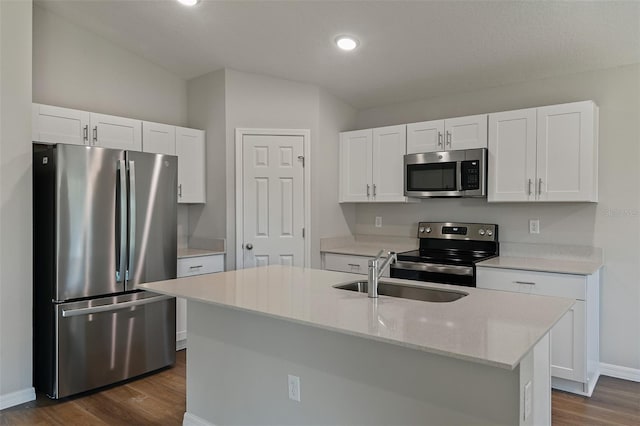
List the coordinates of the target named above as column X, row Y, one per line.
column 378, row 221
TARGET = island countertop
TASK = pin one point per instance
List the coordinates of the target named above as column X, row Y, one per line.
column 489, row 327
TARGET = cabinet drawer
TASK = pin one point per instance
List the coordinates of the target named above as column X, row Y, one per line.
column 347, row 263
column 541, row 283
column 189, row 266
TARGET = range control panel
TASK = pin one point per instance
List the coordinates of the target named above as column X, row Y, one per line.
column 458, row 231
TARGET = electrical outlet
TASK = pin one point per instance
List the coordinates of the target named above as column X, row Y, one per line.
column 534, row 226
column 378, row 221
column 294, row 388
column 527, row 400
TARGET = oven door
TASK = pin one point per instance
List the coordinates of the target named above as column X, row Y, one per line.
column 434, row 273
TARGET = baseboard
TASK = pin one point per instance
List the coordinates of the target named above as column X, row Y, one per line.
column 619, row 372
column 193, row 420
column 181, row 344
column 16, row 398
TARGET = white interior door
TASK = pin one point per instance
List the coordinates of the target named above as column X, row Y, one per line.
column 273, row 200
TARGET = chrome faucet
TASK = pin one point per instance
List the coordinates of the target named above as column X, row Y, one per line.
column 376, row 270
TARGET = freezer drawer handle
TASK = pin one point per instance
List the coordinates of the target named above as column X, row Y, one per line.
column 66, row 313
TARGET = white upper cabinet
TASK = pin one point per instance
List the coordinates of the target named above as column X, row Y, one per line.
column 512, row 155
column 190, row 149
column 568, row 152
column 389, row 147
column 427, row 136
column 51, row 124
column 158, row 138
column 544, row 154
column 356, row 162
column 371, row 165
column 109, row 131
column 445, row 135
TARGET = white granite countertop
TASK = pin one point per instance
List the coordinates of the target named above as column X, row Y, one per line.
column 491, row 327
column 562, row 266
column 191, row 252
column 366, row 245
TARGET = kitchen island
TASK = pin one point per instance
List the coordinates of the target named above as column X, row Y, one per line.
column 482, row 359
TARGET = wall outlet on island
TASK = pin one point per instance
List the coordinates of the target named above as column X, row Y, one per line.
column 534, row 226
column 378, row 221
column 294, row 387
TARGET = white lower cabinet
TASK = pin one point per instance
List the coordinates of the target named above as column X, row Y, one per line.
column 189, row 266
column 348, row 263
column 575, row 338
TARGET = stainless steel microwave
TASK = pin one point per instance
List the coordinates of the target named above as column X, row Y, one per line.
column 461, row 173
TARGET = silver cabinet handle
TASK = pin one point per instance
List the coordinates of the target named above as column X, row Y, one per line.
column 439, row 138
column 249, row 246
column 368, row 190
column 355, row 265
column 85, row 132
column 374, row 189
column 529, row 186
column 449, row 138
column 540, row 186
column 525, row 282
column 95, row 134
column 132, row 219
column 195, row 267
column 180, row 190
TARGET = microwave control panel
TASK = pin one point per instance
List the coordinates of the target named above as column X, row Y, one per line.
column 470, row 175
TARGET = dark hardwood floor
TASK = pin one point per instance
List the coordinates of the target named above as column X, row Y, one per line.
column 159, row 399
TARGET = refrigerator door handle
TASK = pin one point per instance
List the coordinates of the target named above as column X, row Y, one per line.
column 122, row 212
column 132, row 219
column 66, row 313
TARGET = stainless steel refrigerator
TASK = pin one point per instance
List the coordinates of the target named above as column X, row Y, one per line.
column 104, row 220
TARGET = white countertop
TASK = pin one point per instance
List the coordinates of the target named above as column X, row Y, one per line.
column 191, row 252
column 367, row 245
column 561, row 266
column 490, row 327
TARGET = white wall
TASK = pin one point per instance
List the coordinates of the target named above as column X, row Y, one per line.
column 15, row 203
column 206, row 110
column 613, row 223
column 75, row 68
column 258, row 101
column 334, row 219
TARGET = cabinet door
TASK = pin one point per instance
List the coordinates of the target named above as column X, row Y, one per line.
column 356, row 157
column 389, row 147
column 427, row 136
column 512, row 156
column 190, row 149
column 568, row 345
column 158, row 138
column 109, row 131
column 187, row 267
column 567, row 152
column 466, row 132
column 52, row 124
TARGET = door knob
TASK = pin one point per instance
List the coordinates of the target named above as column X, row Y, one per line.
column 248, row 246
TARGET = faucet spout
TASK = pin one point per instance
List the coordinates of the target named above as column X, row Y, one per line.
column 376, row 270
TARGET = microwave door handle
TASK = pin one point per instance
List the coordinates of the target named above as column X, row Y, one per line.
column 459, row 177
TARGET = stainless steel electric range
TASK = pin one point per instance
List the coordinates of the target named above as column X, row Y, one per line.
column 448, row 253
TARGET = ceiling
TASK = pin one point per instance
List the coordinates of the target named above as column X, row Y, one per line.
column 409, row 49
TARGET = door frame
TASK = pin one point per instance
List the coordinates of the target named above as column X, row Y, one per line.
column 306, row 135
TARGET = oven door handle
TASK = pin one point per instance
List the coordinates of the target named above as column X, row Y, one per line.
column 433, row 267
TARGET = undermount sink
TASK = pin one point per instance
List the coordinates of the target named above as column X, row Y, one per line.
column 404, row 291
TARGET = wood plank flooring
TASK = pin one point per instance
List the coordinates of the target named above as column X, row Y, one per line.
column 159, row 399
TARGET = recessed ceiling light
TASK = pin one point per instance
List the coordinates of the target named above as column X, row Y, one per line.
column 347, row 43
column 189, row 2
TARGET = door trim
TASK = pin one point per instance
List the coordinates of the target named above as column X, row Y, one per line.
column 306, row 135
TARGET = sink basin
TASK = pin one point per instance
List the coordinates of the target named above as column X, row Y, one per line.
column 404, row 291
